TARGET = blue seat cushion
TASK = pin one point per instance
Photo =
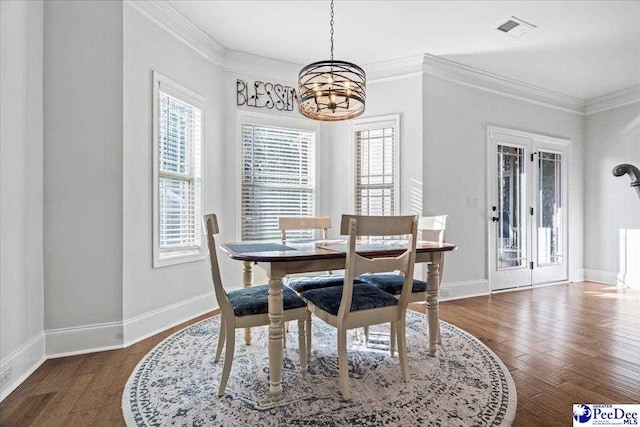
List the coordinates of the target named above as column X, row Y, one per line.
column 254, row 300
column 303, row 284
column 364, row 298
column 392, row 283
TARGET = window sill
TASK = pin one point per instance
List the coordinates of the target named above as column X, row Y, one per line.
column 174, row 258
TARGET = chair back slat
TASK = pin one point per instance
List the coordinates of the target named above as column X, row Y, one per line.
column 377, row 225
column 365, row 265
column 356, row 264
column 304, row 223
column 211, row 225
column 432, row 228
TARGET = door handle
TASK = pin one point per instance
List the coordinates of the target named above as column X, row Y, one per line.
column 495, row 219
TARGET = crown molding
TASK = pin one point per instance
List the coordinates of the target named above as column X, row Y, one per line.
column 176, row 24
column 443, row 69
column 454, row 72
column 173, row 22
column 394, row 69
column 612, row 100
column 261, row 67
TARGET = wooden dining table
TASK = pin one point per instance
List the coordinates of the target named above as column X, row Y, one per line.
column 279, row 259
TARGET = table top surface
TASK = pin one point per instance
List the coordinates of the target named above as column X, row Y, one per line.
column 318, row 249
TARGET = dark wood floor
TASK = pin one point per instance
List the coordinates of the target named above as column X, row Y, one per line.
column 565, row 344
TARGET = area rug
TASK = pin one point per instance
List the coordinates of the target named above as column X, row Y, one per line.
column 464, row 385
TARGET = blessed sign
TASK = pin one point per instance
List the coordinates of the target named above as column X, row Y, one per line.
column 266, row 95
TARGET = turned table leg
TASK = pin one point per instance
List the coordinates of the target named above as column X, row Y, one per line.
column 247, row 280
column 275, row 336
column 433, row 288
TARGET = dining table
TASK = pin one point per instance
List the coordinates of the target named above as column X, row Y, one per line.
column 281, row 258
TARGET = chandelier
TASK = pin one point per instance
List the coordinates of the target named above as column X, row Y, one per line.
column 331, row 90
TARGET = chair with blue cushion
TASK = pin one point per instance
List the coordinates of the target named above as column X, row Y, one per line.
column 349, row 307
column 248, row 307
column 305, row 283
column 432, row 229
column 297, row 224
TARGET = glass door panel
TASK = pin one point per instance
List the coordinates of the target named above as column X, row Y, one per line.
column 511, row 236
column 549, row 191
column 528, row 217
column 550, row 209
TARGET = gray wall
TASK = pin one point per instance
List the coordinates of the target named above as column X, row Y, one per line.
column 264, row 70
column 612, row 207
column 83, row 163
column 443, row 164
column 403, row 97
column 455, row 168
column 147, row 48
column 21, row 253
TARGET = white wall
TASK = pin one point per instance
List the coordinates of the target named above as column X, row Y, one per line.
column 402, row 97
column 22, row 345
column 455, row 152
column 443, row 164
column 612, row 207
column 251, row 68
column 181, row 290
column 83, row 168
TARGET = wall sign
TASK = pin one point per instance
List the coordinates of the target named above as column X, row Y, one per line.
column 266, row 95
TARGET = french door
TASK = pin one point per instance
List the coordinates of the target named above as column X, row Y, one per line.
column 527, row 202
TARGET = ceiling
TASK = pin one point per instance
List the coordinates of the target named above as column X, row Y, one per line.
column 583, row 49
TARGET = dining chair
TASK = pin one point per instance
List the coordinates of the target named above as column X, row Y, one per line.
column 294, row 223
column 349, row 307
column 248, row 307
column 431, row 229
column 302, row 284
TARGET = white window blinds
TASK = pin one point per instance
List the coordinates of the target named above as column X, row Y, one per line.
column 179, row 175
column 376, row 180
column 277, row 178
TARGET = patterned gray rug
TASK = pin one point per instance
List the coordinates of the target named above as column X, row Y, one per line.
column 464, row 385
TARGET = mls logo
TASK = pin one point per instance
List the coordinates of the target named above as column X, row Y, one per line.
column 582, row 413
column 605, row 415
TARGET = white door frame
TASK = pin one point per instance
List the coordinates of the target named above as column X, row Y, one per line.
column 563, row 145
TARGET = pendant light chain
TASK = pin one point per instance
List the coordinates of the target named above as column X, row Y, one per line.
column 331, row 23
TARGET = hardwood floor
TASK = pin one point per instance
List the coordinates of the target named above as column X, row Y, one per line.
column 565, row 344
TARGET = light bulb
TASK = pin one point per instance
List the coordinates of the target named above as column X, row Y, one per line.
column 332, row 97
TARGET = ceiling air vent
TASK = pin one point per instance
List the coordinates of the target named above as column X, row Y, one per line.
column 515, row 27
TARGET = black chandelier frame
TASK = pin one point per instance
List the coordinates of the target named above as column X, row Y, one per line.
column 332, row 85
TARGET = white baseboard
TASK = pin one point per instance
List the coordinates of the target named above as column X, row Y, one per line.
column 601, row 276
column 22, row 363
column 65, row 342
column 612, row 278
column 150, row 323
column 577, row 275
column 55, row 343
column 458, row 290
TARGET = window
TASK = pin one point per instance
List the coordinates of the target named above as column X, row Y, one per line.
column 376, row 143
column 278, row 178
column 177, row 145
